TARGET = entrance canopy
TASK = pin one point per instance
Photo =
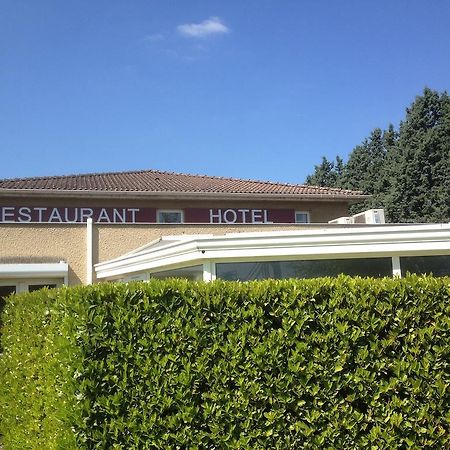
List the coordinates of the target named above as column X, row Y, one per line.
column 29, row 277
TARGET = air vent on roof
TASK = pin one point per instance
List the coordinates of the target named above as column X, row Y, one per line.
column 374, row 216
column 342, row 220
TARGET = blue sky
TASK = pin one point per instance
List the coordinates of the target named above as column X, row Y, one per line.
column 256, row 89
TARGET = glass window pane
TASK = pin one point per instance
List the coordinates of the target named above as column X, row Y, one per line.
column 169, row 217
column 7, row 290
column 4, row 292
column 36, row 287
column 436, row 265
column 191, row 273
column 365, row 267
column 301, row 217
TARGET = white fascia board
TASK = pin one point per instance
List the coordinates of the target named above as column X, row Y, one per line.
column 344, row 251
column 330, row 236
column 359, row 242
column 156, row 252
column 51, row 270
column 340, row 238
column 165, row 242
column 171, row 256
column 355, row 232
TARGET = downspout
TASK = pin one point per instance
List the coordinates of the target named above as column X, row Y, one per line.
column 89, row 251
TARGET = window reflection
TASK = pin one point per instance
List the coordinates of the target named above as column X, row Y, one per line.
column 436, row 265
column 191, row 273
column 245, row 271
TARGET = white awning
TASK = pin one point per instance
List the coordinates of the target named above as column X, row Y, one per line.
column 44, row 270
column 325, row 242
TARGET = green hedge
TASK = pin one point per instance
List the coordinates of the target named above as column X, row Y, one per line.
column 35, row 402
column 341, row 363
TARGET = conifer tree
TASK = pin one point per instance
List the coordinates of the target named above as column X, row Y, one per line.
column 421, row 186
column 364, row 164
column 406, row 172
column 325, row 174
column 364, row 170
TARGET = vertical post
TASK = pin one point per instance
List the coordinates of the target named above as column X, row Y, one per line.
column 396, row 268
column 89, row 251
column 21, row 287
column 66, row 276
column 209, row 271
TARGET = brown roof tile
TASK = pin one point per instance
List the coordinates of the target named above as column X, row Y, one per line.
column 154, row 181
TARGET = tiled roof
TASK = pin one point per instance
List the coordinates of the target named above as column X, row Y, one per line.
column 154, row 181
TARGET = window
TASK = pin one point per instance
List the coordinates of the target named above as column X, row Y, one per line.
column 10, row 288
column 245, row 271
column 36, row 287
column 190, row 273
column 439, row 266
column 19, row 285
column 136, row 277
column 301, row 217
column 6, row 290
column 169, row 216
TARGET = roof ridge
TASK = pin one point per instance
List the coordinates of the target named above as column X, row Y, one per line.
column 154, row 171
column 57, row 177
column 109, row 180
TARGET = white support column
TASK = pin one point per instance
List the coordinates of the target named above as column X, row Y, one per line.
column 89, row 251
column 396, row 269
column 21, row 287
column 209, row 271
column 66, row 276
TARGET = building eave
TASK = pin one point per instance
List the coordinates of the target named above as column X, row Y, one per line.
column 167, row 195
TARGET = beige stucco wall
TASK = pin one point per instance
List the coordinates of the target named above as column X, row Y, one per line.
column 45, row 244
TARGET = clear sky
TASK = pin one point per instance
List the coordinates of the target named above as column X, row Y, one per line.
column 256, row 89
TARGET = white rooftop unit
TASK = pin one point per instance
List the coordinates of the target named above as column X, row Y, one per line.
column 342, row 220
column 372, row 216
